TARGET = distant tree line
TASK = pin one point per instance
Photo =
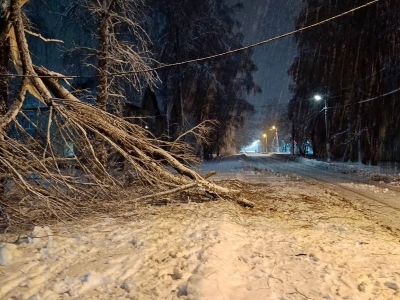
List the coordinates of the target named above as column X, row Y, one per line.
column 346, row 61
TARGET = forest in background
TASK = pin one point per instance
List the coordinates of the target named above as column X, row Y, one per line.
column 357, row 60
column 352, row 63
column 166, row 32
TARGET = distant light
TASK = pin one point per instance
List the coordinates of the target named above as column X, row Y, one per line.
column 317, row 97
column 147, row 127
column 264, row 135
column 273, row 127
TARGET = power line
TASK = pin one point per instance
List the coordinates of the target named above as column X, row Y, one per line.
column 367, row 100
column 334, row 107
column 116, row 74
column 380, row 96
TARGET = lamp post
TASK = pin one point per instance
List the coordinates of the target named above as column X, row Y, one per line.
column 276, row 137
column 266, row 142
column 319, row 98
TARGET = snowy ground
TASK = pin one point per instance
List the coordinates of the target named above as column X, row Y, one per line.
column 303, row 240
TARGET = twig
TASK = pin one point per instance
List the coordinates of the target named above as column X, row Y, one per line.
column 43, row 38
column 210, row 274
column 297, row 292
column 48, row 131
column 208, row 175
column 245, row 203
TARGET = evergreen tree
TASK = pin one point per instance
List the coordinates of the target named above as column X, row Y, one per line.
column 212, row 89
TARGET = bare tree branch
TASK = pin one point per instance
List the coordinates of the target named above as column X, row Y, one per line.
column 43, row 38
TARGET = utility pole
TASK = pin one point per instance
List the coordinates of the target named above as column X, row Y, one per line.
column 292, row 150
column 328, row 152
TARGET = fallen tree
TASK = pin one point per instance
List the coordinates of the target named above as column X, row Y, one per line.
column 62, row 186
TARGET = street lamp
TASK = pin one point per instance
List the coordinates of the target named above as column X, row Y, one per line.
column 276, row 137
column 319, row 98
column 266, row 142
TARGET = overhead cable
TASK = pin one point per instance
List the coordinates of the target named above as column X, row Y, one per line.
column 163, row 66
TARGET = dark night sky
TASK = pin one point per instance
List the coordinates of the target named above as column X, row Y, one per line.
column 261, row 20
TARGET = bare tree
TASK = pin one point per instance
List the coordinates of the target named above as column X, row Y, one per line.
column 123, row 49
column 4, row 58
column 123, row 57
column 62, row 186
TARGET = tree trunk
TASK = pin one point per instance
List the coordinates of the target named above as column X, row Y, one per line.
column 179, row 103
column 176, row 104
column 102, row 87
column 4, row 57
column 359, row 153
column 102, row 93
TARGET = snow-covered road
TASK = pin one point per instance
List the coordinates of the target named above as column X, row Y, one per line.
column 303, row 240
column 374, row 187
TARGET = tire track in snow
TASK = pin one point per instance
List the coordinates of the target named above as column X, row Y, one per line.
column 389, row 209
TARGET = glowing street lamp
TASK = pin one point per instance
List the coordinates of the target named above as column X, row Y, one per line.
column 319, row 98
column 276, row 137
